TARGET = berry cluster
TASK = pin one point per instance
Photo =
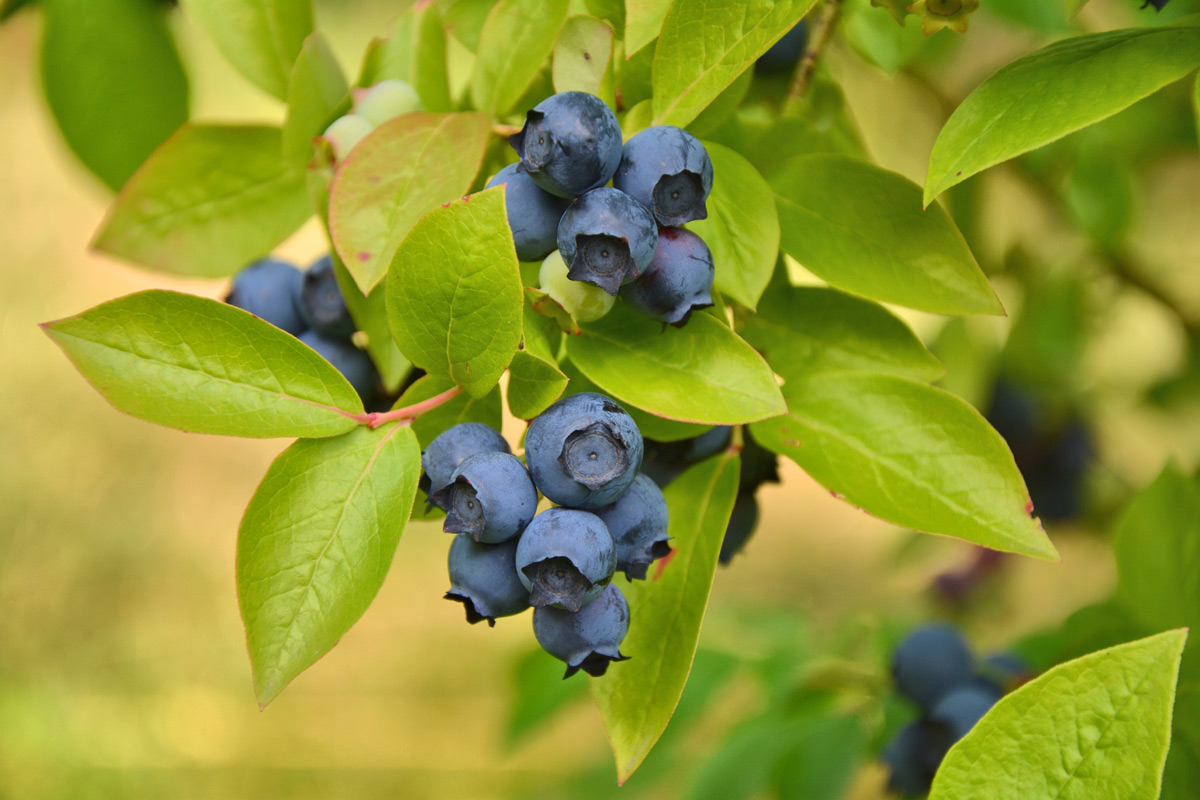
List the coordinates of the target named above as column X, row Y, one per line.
column 935, row 669
column 595, row 240
column 372, row 107
column 309, row 305
column 666, row 460
column 583, row 453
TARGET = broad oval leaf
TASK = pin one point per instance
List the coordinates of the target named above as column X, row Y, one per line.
column 706, row 44
column 910, row 454
column 199, row 365
column 583, row 58
column 394, row 176
column 742, row 229
column 415, row 53
column 517, row 39
column 462, row 408
column 702, row 372
column 1058, row 90
column 369, row 313
column 636, row 698
column 317, row 94
column 651, row 426
column 803, row 330
column 533, row 384
column 643, row 22
column 862, row 229
column 316, row 543
column 208, row 202
column 1095, row 727
column 454, row 294
column 127, row 96
column 1157, row 544
column 260, row 38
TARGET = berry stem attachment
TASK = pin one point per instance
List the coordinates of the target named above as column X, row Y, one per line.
column 822, row 33
column 378, row 419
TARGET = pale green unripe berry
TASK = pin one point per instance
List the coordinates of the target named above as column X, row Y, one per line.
column 583, row 301
column 386, row 100
column 345, row 133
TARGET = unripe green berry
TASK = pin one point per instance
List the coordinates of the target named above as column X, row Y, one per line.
column 345, row 132
column 583, row 301
column 386, row 100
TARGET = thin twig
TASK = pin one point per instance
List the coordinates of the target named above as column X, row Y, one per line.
column 413, row 411
column 822, row 32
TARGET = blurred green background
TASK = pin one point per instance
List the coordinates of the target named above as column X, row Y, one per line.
column 123, row 670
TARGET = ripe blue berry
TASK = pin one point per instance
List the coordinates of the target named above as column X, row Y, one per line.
column 637, row 523
column 785, row 53
column 678, row 280
column 353, row 363
column 931, row 662
column 490, row 498
column 270, row 290
column 565, row 558
column 570, row 144
column 533, row 213
column 1004, row 671
column 321, row 302
column 483, row 577
column 589, row 639
column 959, row 710
column 913, row 756
column 583, row 451
column 454, row 446
column 667, row 170
column 606, row 239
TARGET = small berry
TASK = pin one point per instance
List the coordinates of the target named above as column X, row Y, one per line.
column 637, row 523
column 667, row 170
column 533, row 213
column 270, row 290
column 589, row 639
column 386, row 100
column 490, row 498
column 565, row 558
column 607, row 238
column 353, row 363
column 346, row 132
column 483, row 577
column 931, row 662
column 570, row 143
column 583, row 301
column 678, row 281
column 321, row 302
column 454, row 446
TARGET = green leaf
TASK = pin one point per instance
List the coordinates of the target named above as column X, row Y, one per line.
column 454, row 295
column 637, row 698
column 1196, row 104
column 317, row 95
column 414, row 53
column 807, row 330
column 1058, row 90
column 316, row 543
column 541, row 335
column 583, row 58
column 822, row 760
column 517, row 39
column 910, row 454
column 208, row 202
column 643, row 21
column 394, row 176
column 706, row 44
column 1157, row 544
column 369, row 313
column 702, row 372
column 463, row 408
column 260, row 38
column 199, row 365
column 862, row 229
column 1075, row 6
column 651, row 426
column 533, row 384
column 1095, row 727
column 742, row 229
column 113, row 81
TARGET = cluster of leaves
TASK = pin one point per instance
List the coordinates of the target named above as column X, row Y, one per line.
column 824, row 375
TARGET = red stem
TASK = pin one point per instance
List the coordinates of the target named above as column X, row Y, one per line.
column 415, row 410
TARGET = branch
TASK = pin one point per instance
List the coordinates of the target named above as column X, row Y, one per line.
column 821, row 34
column 408, row 413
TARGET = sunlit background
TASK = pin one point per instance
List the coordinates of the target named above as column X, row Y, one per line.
column 123, row 668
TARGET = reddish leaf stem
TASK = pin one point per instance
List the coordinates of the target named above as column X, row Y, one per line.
column 378, row 418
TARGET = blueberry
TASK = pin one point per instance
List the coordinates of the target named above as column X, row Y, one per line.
column 321, row 302
column 483, row 577
column 742, row 523
column 346, row 132
column 583, row 451
column 785, row 53
column 932, row 661
column 667, row 169
column 452, row 447
column 570, row 143
column 565, row 558
column 589, row 639
column 1158, row 4
column 678, row 280
column 959, row 710
column 584, row 302
column 386, row 100
column 709, row 443
column 490, row 498
column 270, row 290
column 664, row 461
column 637, row 523
column 1004, row 671
column 913, row 756
column 353, row 363
column 606, row 239
column 533, row 213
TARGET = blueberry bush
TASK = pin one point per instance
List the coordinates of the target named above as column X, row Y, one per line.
column 653, row 232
